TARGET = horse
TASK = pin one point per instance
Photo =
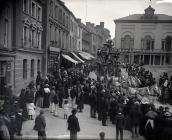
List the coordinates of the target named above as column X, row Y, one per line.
column 155, row 92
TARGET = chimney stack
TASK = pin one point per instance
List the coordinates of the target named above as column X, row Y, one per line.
column 102, row 24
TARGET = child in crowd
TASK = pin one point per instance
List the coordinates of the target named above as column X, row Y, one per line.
column 31, row 110
column 65, row 108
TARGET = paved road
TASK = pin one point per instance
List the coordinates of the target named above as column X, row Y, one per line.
column 57, row 127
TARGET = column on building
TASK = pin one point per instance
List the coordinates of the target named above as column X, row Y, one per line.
column 150, row 59
column 153, row 59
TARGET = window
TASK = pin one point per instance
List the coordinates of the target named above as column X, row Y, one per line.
column 39, row 13
column 39, row 39
column 32, row 68
column 63, row 18
column 39, row 65
column 60, row 15
column 33, row 34
column 26, row 6
column 24, row 35
column 168, row 42
column 127, row 42
column 6, row 33
column 56, row 12
column 24, row 69
column 163, row 45
column 148, row 43
column 51, row 9
column 67, row 22
column 33, row 9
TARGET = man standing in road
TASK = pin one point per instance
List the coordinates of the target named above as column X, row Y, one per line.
column 40, row 125
column 73, row 125
column 119, row 118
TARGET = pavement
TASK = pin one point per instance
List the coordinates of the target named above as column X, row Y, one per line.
column 57, row 127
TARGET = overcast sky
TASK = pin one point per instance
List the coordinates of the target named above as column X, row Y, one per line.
column 96, row 11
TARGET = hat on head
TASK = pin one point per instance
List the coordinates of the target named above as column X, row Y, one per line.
column 74, row 111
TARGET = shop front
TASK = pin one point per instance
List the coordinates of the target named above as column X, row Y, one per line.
column 6, row 75
column 53, row 60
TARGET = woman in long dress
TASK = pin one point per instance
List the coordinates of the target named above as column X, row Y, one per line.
column 46, row 102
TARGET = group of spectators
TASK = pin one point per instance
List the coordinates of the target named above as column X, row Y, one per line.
column 165, row 82
column 145, row 76
column 75, row 87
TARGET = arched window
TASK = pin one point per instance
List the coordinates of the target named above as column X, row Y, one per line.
column 168, row 43
column 127, row 42
column 148, row 43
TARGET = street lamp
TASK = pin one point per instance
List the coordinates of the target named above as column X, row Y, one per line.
column 108, row 63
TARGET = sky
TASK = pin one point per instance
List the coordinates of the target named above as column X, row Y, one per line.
column 106, row 11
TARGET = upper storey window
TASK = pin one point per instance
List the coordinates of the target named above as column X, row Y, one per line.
column 51, row 9
column 33, row 9
column 26, row 6
column 148, row 43
column 127, row 42
column 168, row 43
column 39, row 13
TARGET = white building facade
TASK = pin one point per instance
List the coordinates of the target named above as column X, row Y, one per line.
column 145, row 38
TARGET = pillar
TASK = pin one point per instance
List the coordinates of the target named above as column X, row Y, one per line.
column 150, row 59
column 153, row 59
column 160, row 59
column 139, row 58
column 164, row 60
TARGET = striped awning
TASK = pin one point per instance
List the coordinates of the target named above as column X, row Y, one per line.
column 70, row 59
column 78, row 57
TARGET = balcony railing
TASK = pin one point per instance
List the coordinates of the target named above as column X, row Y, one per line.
column 145, row 51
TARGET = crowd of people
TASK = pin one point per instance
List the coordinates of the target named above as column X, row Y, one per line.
column 73, row 89
column 145, row 76
column 165, row 82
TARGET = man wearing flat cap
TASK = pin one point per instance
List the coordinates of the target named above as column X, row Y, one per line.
column 40, row 124
column 73, row 125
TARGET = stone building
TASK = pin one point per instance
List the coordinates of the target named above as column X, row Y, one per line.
column 56, row 33
column 145, row 38
column 21, row 42
column 27, row 41
column 73, row 33
column 93, row 37
column 7, row 55
column 79, row 35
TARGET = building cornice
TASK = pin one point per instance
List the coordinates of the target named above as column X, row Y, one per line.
column 143, row 21
column 30, row 50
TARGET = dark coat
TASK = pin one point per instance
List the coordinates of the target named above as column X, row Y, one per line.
column 73, row 123
column 56, row 98
column 19, row 121
column 93, row 100
column 40, row 123
column 119, row 119
column 73, row 93
column 29, row 97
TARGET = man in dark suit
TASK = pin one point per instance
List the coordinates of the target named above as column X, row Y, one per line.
column 40, row 125
column 73, row 125
column 119, row 118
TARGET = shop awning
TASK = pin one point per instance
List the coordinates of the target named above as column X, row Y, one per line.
column 70, row 59
column 89, row 55
column 84, row 56
column 78, row 57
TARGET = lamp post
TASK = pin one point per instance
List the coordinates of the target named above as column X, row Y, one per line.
column 108, row 63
